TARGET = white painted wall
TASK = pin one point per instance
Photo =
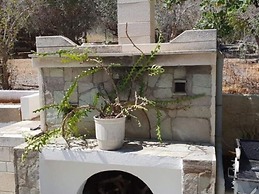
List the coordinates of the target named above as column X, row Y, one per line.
column 29, row 104
column 66, row 171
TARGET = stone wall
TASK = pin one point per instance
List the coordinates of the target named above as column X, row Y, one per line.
column 240, row 119
column 189, row 124
column 26, row 172
column 11, row 136
column 199, row 176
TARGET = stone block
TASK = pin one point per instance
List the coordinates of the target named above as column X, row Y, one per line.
column 190, row 183
column 133, row 130
column 27, row 173
column 88, row 97
column 191, row 129
column 134, row 11
column 58, row 96
column 163, row 93
column 56, row 72
column 26, row 190
column 3, row 167
column 98, row 78
column 68, row 74
column 3, row 192
column 135, row 29
column 201, row 101
column 195, row 111
column 10, row 167
column 10, row 112
column 201, row 90
column 7, row 181
column 55, row 84
column 135, row 39
column 197, row 36
column 53, row 41
column 166, row 129
column 206, row 183
column 4, row 153
column 152, row 81
column 74, row 97
column 202, row 80
column 11, row 140
column 85, row 79
column 85, row 87
column 165, row 81
column 194, row 166
column 180, row 73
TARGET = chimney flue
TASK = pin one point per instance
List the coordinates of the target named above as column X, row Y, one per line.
column 139, row 15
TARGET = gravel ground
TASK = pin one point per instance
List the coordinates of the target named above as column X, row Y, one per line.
column 23, row 75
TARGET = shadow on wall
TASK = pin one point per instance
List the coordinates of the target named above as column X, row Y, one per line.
column 240, row 120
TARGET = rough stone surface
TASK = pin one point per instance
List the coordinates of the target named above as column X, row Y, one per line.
column 195, row 111
column 180, row 73
column 5, row 154
column 198, row 176
column 190, row 183
column 27, row 173
column 163, row 93
column 165, row 81
column 3, row 167
column 191, row 129
column 10, row 113
column 7, row 181
column 158, row 87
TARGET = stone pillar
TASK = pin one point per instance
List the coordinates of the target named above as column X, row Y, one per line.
column 139, row 16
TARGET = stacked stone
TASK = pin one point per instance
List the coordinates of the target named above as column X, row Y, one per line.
column 10, row 137
column 176, row 124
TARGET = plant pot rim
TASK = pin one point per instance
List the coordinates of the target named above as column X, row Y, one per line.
column 96, row 117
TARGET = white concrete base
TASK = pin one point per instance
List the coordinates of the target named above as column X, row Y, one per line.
column 29, row 104
column 160, row 168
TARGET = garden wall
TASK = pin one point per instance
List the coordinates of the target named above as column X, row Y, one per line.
column 240, row 119
column 189, row 124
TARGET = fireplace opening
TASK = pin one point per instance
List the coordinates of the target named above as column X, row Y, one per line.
column 115, row 182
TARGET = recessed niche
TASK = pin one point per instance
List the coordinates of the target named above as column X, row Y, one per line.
column 180, row 86
column 115, row 182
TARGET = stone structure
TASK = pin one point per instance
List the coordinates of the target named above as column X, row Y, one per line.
column 140, row 22
column 11, row 136
column 190, row 61
column 26, row 172
column 184, row 62
column 178, row 168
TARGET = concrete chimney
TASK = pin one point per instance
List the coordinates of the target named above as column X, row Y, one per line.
column 139, row 15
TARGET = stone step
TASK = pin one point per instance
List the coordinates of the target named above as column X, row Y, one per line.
column 10, row 113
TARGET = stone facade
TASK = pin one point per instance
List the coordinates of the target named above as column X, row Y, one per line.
column 10, row 137
column 27, row 172
column 190, row 63
column 176, row 124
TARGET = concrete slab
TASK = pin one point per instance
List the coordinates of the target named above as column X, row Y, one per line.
column 10, row 112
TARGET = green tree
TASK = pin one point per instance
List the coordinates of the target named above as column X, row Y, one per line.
column 234, row 19
column 175, row 17
column 70, row 18
column 13, row 17
column 108, row 15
